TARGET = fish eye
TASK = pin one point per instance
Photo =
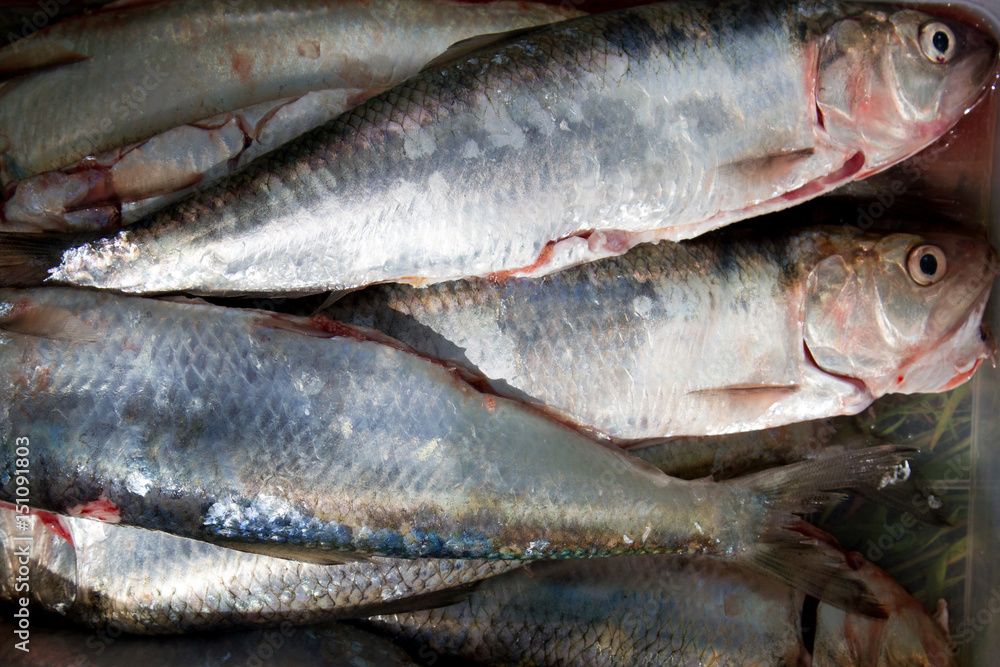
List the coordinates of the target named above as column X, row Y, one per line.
column 937, row 41
column 926, row 264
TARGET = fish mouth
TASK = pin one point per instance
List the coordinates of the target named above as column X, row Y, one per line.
column 963, row 348
column 962, row 377
column 973, row 76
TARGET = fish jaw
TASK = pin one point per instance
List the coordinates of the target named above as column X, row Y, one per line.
column 878, row 92
column 951, row 364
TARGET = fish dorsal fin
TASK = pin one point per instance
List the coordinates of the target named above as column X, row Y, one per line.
column 25, row 58
column 30, row 319
column 465, row 47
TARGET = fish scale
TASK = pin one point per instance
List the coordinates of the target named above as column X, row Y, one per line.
column 253, row 481
column 543, row 149
column 679, row 610
column 707, row 336
column 386, row 453
column 224, row 58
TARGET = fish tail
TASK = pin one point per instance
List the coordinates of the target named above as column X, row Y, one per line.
column 816, row 569
column 26, row 259
column 807, row 486
column 800, row 560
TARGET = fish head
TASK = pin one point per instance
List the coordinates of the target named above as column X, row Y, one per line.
column 908, row 637
column 900, row 313
column 891, row 82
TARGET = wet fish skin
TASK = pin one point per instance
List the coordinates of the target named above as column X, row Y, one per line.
column 151, row 583
column 368, row 49
column 333, row 645
column 126, row 184
column 643, row 124
column 115, row 86
column 305, row 439
column 667, row 610
column 725, row 333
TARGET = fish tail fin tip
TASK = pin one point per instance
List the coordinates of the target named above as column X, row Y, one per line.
column 806, row 486
column 816, row 569
column 26, row 259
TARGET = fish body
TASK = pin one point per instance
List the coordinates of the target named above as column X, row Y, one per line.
column 314, row 440
column 668, row 610
column 333, row 645
column 553, row 146
column 104, row 84
column 273, row 70
column 733, row 331
column 147, row 582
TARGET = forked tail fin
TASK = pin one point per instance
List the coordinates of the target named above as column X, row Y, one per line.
column 26, row 259
column 801, row 561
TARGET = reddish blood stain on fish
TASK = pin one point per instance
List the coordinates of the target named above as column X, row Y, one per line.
column 309, row 49
column 101, row 509
column 242, row 64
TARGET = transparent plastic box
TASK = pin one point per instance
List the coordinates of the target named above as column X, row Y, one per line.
column 958, row 432
column 976, row 630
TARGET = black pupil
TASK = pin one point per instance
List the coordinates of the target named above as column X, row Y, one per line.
column 940, row 41
column 928, row 264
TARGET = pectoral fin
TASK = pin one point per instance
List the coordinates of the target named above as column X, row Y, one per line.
column 293, row 553
column 769, row 167
column 745, row 401
column 45, row 322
